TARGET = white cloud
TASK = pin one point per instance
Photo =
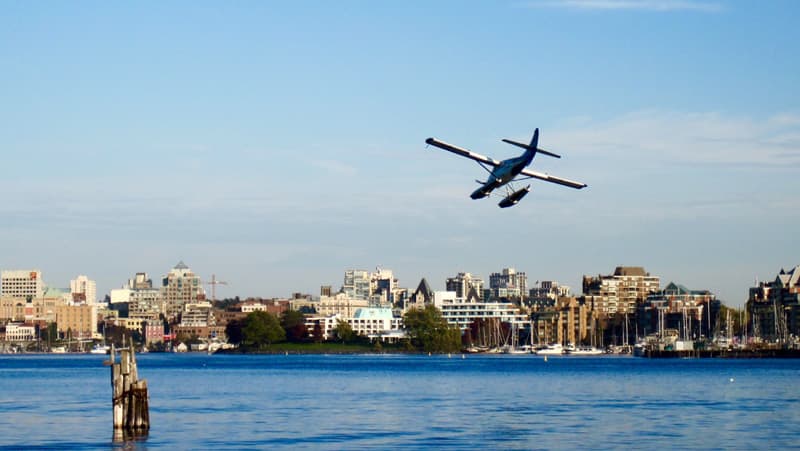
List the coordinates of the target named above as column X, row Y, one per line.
column 659, row 137
column 638, row 5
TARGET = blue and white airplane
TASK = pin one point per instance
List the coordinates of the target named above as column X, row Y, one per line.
column 504, row 172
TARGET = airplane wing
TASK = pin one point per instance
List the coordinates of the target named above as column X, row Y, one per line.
column 553, row 179
column 462, row 152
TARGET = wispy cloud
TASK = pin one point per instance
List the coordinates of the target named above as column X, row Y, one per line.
column 334, row 167
column 660, row 137
column 635, row 5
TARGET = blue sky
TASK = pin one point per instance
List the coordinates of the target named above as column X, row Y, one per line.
column 276, row 144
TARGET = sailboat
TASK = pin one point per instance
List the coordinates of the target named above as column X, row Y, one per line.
column 101, row 348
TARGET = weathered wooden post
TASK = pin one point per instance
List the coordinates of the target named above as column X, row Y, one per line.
column 129, row 394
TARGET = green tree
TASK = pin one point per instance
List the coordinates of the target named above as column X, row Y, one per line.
column 262, row 328
column 429, row 331
column 294, row 323
column 51, row 333
column 343, row 331
column 233, row 330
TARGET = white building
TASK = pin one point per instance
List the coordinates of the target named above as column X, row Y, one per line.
column 462, row 312
column 250, row 307
column 22, row 283
column 197, row 314
column 83, row 288
column 20, row 332
column 370, row 322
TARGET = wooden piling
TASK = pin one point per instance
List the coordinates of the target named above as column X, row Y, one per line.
column 129, row 394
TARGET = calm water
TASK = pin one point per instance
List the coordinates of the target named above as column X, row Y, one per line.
column 399, row 401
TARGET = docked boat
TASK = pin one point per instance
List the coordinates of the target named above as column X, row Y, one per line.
column 517, row 350
column 586, row 350
column 553, row 349
column 100, row 349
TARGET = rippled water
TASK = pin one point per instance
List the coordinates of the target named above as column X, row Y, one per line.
column 390, row 401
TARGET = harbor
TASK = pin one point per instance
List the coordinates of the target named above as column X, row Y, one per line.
column 408, row 401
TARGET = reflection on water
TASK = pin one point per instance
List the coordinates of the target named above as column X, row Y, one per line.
column 334, row 402
column 128, row 439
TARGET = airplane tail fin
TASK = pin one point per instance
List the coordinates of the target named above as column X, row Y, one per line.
column 535, row 139
column 534, row 145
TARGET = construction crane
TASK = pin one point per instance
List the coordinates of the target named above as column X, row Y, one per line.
column 214, row 282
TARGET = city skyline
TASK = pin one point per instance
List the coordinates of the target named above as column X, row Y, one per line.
column 276, row 145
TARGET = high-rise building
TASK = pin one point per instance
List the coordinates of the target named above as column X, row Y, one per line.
column 357, row 284
column 619, row 292
column 463, row 283
column 22, row 284
column 143, row 301
column 180, row 287
column 83, row 290
column 385, row 290
column 508, row 284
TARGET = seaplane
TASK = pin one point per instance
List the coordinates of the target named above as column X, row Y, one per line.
column 504, row 173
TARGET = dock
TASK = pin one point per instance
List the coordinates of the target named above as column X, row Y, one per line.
column 724, row 353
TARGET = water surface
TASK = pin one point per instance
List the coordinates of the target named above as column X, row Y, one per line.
column 408, row 401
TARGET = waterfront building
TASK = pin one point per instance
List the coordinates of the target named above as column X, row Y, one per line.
column 203, row 332
column 508, row 284
column 179, row 287
column 372, row 322
column 152, row 332
column 82, row 289
column 568, row 320
column 619, row 292
column 462, row 312
column 462, row 283
column 20, row 332
column 77, row 321
column 774, row 307
column 693, row 313
column 22, row 284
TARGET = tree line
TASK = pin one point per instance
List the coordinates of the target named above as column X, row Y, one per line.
column 426, row 330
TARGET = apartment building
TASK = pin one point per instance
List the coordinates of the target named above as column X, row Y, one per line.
column 619, row 292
